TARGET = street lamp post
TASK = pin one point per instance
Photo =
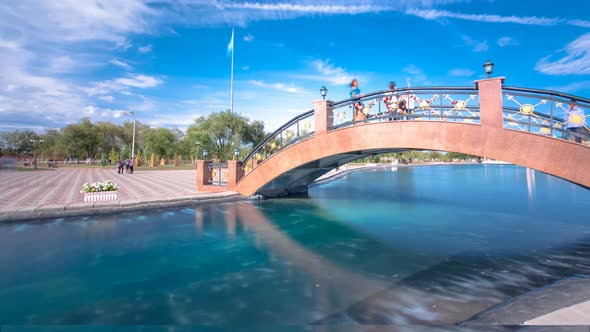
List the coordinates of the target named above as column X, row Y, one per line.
column 205, row 153
column 133, row 141
column 488, row 66
column 236, row 153
column 323, row 92
column 36, row 143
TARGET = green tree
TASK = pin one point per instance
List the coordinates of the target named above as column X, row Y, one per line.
column 80, row 140
column 52, row 147
column 254, row 133
column 113, row 156
column 109, row 136
column 162, row 142
column 125, row 152
column 18, row 142
column 221, row 132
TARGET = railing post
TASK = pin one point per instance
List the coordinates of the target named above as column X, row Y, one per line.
column 234, row 173
column 203, row 174
column 324, row 119
column 490, row 102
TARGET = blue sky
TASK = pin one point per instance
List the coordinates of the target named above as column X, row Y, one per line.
column 166, row 60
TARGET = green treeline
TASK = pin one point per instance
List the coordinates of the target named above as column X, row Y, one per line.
column 220, row 133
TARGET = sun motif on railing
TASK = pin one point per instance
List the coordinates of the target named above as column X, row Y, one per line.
column 526, row 112
column 574, row 118
column 289, row 134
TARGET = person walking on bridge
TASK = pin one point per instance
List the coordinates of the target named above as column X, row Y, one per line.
column 575, row 122
column 390, row 101
column 357, row 106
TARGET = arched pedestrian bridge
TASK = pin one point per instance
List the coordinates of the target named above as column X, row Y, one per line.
column 526, row 127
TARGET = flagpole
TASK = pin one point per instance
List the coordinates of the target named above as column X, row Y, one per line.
column 232, row 72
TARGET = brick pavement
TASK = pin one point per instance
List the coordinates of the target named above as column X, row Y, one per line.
column 23, row 192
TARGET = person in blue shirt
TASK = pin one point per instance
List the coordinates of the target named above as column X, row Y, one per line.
column 576, row 121
column 355, row 91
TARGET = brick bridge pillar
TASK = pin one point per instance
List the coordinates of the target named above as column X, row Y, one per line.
column 203, row 174
column 234, row 173
column 490, row 102
column 324, row 117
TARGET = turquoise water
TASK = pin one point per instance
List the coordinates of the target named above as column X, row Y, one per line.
column 419, row 245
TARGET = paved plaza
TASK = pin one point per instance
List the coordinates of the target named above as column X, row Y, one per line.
column 36, row 193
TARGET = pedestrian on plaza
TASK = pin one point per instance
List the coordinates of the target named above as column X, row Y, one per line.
column 575, row 122
column 127, row 166
column 131, row 164
column 119, row 167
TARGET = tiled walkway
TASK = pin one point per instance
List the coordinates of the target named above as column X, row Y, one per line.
column 25, row 191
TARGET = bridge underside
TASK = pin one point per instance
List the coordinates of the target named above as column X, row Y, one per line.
column 298, row 179
column 292, row 169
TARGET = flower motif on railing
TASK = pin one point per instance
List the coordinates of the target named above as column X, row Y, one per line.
column 424, row 105
column 390, row 103
column 461, row 106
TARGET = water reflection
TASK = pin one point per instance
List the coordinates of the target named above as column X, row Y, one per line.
column 530, row 182
column 428, row 246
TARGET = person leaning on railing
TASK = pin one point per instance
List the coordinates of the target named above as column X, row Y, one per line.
column 390, row 101
column 575, row 122
column 357, row 106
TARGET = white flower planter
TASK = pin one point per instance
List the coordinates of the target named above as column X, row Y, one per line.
column 104, row 196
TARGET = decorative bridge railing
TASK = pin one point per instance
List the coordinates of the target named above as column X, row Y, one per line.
column 544, row 112
column 219, row 174
column 295, row 130
column 540, row 112
column 458, row 104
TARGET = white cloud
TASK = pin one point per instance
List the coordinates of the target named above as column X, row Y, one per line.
column 478, row 46
column 121, row 64
column 139, row 81
column 310, row 9
column 145, row 49
column 110, row 99
column 461, row 72
column 248, row 38
column 282, row 87
column 122, row 85
column 507, row 41
column 433, row 14
column 332, row 74
column 104, row 20
column 245, row 68
column 574, row 59
column 575, row 87
column 416, row 74
column 61, row 64
column 481, row 46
